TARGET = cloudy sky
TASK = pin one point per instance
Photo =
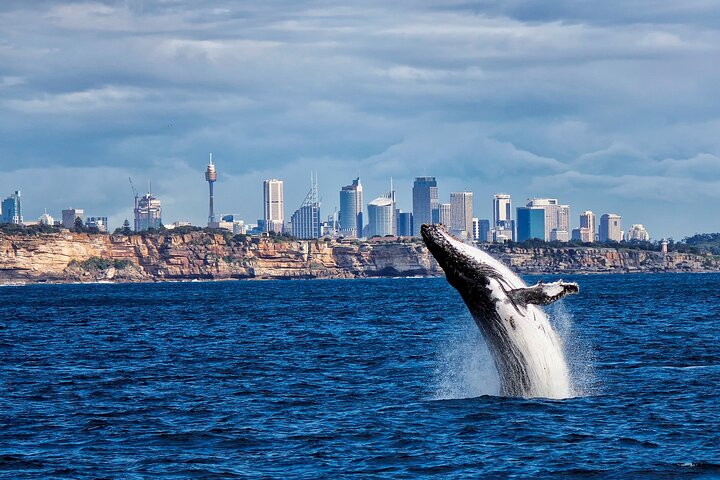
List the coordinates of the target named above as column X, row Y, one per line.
column 611, row 106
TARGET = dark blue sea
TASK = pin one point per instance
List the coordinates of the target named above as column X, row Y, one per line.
column 385, row 378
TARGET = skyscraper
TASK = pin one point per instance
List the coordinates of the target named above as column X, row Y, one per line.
column 12, row 209
column 550, row 207
column 561, row 232
column 273, row 205
column 211, row 177
column 405, row 224
column 351, row 209
column 445, row 214
column 481, row 230
column 557, row 218
column 502, row 209
column 306, row 220
column 587, row 220
column 461, row 217
column 484, row 231
column 381, row 216
column 610, row 228
column 530, row 223
column 149, row 212
column 503, row 226
column 425, row 203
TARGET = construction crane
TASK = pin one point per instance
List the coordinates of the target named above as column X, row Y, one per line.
column 136, row 220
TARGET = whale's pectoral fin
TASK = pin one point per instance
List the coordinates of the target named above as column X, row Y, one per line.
column 543, row 293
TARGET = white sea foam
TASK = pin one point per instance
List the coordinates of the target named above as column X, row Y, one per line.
column 465, row 368
column 578, row 352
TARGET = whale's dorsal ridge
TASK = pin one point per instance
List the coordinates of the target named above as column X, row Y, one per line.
column 543, row 293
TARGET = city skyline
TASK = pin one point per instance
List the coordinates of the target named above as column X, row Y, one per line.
column 458, row 215
column 610, row 107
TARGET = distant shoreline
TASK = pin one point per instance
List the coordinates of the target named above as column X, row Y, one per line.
column 213, row 256
column 298, row 279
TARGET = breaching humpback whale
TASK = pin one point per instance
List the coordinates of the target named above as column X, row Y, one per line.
column 526, row 350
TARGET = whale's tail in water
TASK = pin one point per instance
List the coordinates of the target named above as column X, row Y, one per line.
column 526, row 349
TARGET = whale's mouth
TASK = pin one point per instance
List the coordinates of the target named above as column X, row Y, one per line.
column 433, row 233
column 437, row 240
column 450, row 255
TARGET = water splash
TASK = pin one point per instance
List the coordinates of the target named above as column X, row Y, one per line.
column 578, row 352
column 465, row 368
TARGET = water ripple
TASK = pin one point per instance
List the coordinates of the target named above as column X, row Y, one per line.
column 364, row 378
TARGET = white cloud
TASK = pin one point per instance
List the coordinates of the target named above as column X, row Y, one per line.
column 11, row 81
column 586, row 104
column 91, row 99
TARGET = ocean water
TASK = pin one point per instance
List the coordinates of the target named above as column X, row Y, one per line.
column 384, row 378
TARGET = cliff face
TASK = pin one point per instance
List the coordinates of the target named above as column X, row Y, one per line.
column 63, row 257
column 199, row 255
column 599, row 260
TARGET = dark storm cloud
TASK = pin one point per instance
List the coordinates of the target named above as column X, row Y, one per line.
column 606, row 105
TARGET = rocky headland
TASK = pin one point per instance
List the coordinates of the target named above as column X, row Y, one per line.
column 81, row 257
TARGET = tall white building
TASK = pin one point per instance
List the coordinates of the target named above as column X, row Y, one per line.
column 563, row 220
column 461, row 219
column 445, row 214
column 273, row 205
column 381, row 216
column 611, row 228
column 149, row 212
column 502, row 209
column 587, row 220
column 503, row 226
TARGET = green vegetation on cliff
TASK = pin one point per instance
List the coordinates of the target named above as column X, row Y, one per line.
column 94, row 264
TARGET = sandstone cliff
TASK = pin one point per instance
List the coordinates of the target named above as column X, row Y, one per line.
column 64, row 257
column 600, row 260
column 59, row 257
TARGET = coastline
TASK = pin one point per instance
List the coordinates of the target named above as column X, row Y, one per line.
column 329, row 279
column 63, row 258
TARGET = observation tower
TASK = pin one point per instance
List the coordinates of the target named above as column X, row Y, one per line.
column 211, row 177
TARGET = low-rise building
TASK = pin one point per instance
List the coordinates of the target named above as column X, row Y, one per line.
column 583, row 234
column 70, row 216
column 638, row 232
column 101, row 223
